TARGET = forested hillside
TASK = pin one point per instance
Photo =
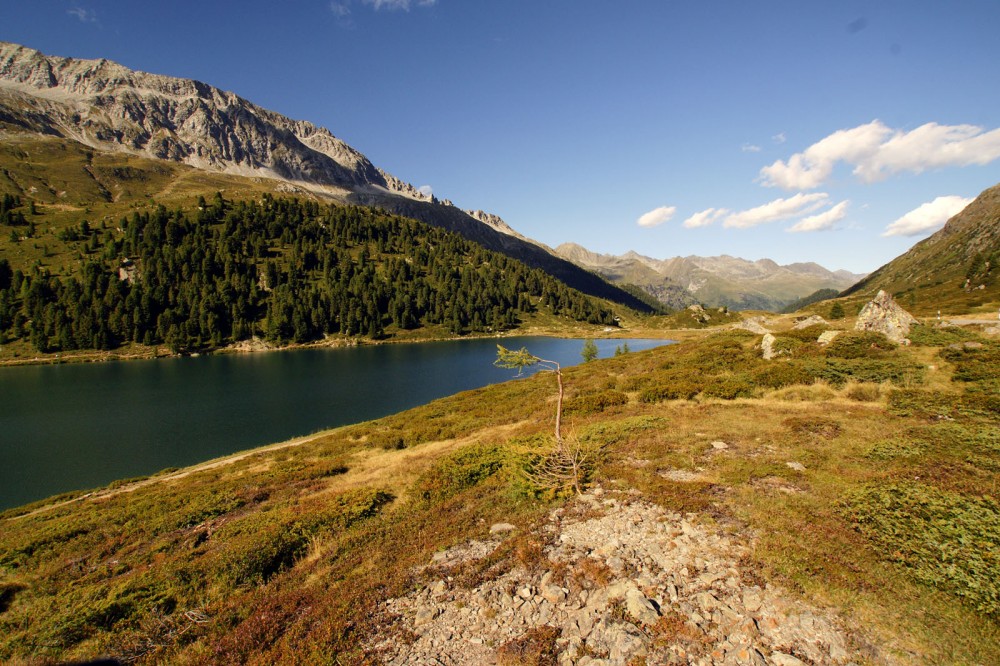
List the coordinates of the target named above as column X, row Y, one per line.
column 284, row 269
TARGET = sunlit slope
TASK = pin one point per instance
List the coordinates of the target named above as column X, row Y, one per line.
column 955, row 270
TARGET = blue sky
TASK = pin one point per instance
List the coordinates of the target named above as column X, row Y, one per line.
column 836, row 132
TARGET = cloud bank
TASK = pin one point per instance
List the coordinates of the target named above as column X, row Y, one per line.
column 821, row 221
column 779, row 209
column 704, row 218
column 877, row 151
column 657, row 216
column 928, row 217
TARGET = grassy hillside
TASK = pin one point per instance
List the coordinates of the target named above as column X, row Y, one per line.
column 861, row 476
column 954, row 270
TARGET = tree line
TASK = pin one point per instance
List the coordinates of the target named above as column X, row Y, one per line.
column 284, row 269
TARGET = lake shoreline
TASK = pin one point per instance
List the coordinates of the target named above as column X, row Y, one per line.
column 256, row 345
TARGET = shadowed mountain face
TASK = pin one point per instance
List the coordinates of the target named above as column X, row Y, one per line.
column 953, row 270
column 715, row 281
column 111, row 108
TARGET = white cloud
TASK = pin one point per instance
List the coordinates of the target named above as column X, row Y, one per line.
column 84, row 15
column 704, row 218
column 426, row 190
column 750, row 148
column 928, row 217
column 393, row 5
column 779, row 209
column 811, row 168
column 821, row 221
column 340, row 9
column 877, row 151
column 657, row 216
column 779, row 137
column 931, row 146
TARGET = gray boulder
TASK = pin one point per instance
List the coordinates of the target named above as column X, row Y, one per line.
column 883, row 315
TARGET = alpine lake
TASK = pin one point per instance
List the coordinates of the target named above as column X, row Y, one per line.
column 76, row 426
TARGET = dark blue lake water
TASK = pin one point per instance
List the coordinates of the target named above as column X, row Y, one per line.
column 70, row 427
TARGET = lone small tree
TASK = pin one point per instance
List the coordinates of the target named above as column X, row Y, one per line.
column 589, row 351
column 564, row 465
column 837, row 311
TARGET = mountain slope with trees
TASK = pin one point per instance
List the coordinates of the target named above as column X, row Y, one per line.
column 110, row 108
column 286, row 270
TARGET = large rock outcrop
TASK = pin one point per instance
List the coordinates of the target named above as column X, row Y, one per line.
column 883, row 315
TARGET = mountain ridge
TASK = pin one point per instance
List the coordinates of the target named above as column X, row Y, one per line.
column 717, row 281
column 953, row 269
column 109, row 107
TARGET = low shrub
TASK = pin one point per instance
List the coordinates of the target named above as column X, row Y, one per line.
column 730, row 387
column 464, row 469
column 973, row 364
column 813, row 426
column 896, row 448
column 840, row 371
column 264, row 544
column 205, row 506
column 860, row 344
column 807, row 334
column 932, row 336
column 778, row 374
column 946, row 540
column 594, row 403
column 676, row 390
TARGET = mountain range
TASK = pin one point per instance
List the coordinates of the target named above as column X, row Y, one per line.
column 731, row 282
column 98, row 132
column 108, row 107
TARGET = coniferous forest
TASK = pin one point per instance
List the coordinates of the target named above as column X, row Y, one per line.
column 282, row 269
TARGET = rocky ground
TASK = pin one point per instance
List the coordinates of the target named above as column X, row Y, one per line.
column 615, row 580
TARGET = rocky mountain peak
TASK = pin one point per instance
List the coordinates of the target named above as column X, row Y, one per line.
column 110, row 107
column 493, row 221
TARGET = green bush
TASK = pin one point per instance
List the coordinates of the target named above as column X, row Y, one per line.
column 838, row 371
column 464, row 469
column 205, row 506
column 615, row 432
column 264, row 544
column 946, row 540
column 931, row 336
column 778, row 374
column 594, row 403
column 676, row 390
column 807, row 334
column 636, row 382
column 730, row 387
column 974, row 364
column 860, row 344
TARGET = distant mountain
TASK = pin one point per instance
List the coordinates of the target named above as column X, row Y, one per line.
column 108, row 107
column 954, row 269
column 817, row 296
column 720, row 281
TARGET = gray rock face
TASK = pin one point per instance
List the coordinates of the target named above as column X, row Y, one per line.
column 767, row 346
column 110, row 107
column 813, row 320
column 883, row 315
column 754, row 325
